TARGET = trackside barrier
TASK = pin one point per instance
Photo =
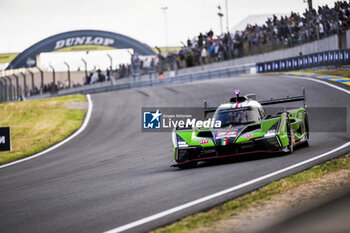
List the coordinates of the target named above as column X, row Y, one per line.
column 130, row 83
column 328, row 58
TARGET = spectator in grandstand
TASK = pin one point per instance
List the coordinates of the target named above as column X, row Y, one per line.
column 100, row 77
column 276, row 32
column 203, row 55
column 94, row 78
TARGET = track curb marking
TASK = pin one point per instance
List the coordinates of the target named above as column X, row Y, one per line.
column 76, row 133
column 318, row 81
column 333, row 78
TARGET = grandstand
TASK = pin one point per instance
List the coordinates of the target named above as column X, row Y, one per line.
column 256, row 39
column 252, row 20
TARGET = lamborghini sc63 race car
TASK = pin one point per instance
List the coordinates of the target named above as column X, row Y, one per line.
column 245, row 128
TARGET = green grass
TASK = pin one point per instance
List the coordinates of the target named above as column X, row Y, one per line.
column 201, row 220
column 38, row 124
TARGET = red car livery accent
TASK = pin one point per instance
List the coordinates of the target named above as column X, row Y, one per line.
column 204, row 141
column 248, row 136
column 293, row 139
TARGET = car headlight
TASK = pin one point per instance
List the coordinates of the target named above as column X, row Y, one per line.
column 272, row 131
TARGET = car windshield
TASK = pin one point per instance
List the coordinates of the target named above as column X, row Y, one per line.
column 238, row 116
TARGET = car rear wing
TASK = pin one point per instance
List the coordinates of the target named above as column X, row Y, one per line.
column 208, row 110
column 286, row 100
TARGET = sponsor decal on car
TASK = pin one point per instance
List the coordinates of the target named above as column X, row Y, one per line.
column 204, row 141
column 224, row 141
column 226, row 134
column 247, row 136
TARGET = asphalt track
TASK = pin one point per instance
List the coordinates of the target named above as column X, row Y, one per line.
column 112, row 174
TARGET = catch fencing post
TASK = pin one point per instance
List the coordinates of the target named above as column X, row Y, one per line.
column 85, row 65
column 68, row 73
column 53, row 87
column 42, row 80
column 24, row 84
column 1, row 91
column 11, row 88
column 6, row 99
column 17, row 86
column 32, row 76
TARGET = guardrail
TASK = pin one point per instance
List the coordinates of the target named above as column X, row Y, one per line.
column 321, row 59
column 129, row 83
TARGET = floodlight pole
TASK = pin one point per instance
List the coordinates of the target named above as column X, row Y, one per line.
column 309, row 2
column 164, row 9
column 220, row 16
column 227, row 25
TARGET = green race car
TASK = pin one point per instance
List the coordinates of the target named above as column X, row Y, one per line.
column 245, row 128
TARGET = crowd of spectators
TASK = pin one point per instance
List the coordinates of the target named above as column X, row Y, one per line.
column 277, row 32
column 123, row 71
column 139, row 66
column 53, row 88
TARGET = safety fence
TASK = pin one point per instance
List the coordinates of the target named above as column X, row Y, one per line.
column 139, row 82
column 20, row 83
column 26, row 83
column 321, row 59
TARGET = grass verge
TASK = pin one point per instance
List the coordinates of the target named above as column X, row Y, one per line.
column 38, row 124
column 201, row 220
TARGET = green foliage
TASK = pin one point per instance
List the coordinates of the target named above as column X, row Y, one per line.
column 38, row 124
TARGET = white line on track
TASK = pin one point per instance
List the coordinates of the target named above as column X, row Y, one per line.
column 234, row 188
column 81, row 129
column 221, row 193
